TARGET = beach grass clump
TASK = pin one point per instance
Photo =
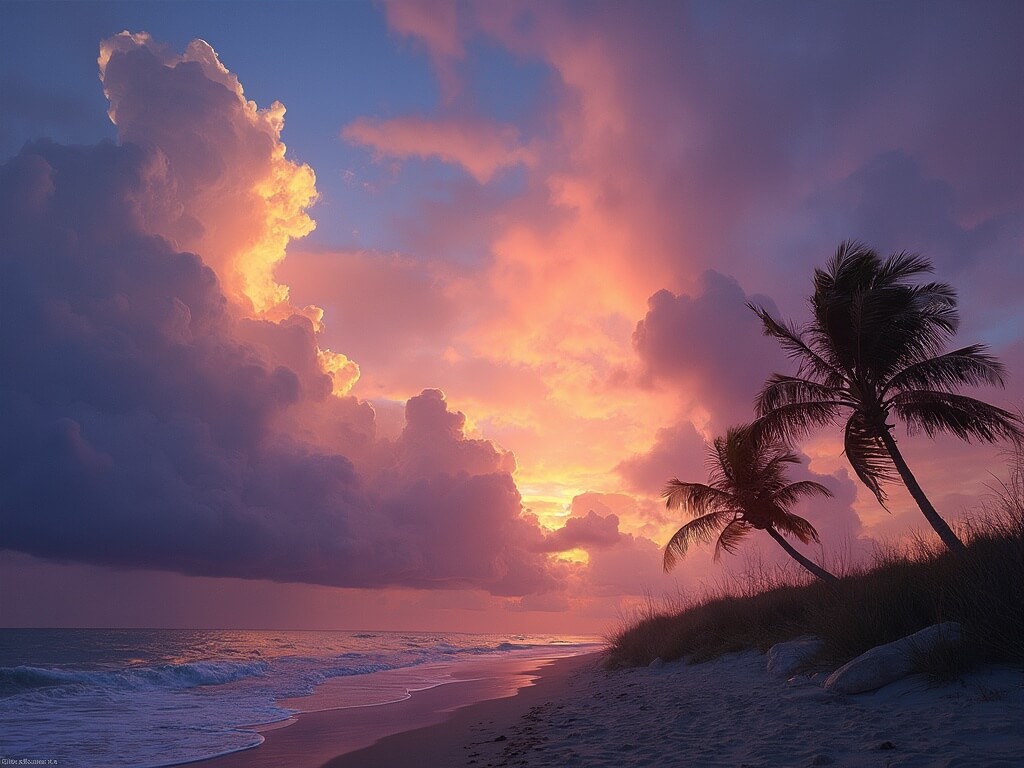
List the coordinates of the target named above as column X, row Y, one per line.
column 900, row 593
column 988, row 591
column 717, row 623
column 905, row 588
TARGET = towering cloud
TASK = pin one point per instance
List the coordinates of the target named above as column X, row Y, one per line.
column 228, row 191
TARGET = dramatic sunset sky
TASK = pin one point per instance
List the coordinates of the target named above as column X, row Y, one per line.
column 420, row 352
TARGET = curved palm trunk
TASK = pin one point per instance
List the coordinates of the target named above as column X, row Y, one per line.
column 934, row 518
column 810, row 565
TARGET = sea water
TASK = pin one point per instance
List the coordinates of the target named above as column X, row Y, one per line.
column 137, row 698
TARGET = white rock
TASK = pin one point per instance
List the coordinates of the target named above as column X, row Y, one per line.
column 885, row 664
column 783, row 658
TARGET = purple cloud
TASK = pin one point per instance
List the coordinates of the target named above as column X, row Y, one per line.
column 710, row 345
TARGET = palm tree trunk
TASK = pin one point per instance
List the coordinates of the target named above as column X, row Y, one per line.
column 807, row 563
column 934, row 519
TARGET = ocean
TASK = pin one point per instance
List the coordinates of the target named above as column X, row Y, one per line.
column 141, row 698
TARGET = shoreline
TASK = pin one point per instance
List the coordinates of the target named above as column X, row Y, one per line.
column 430, row 722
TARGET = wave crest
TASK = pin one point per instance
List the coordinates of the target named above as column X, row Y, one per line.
column 164, row 677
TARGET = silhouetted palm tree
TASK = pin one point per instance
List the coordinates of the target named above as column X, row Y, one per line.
column 747, row 490
column 873, row 349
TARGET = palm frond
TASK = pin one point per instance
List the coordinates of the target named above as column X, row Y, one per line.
column 968, row 366
column 879, row 342
column 796, row 420
column 894, row 326
column 848, row 276
column 934, row 412
column 867, row 455
column 774, row 459
column 868, row 318
column 720, row 466
column 852, row 265
column 748, row 490
column 780, row 390
column 694, row 498
column 926, row 321
column 795, row 347
column 802, row 489
column 730, row 537
column 787, row 522
column 900, row 266
column 701, row 529
column 771, row 475
column 935, row 294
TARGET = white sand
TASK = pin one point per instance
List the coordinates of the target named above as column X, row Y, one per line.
column 730, row 712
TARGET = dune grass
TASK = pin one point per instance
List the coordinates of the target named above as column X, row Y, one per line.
column 903, row 590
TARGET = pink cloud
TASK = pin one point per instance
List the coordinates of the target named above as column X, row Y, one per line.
column 710, row 343
column 157, row 426
column 482, row 147
column 435, row 23
column 369, row 298
column 678, row 451
column 633, row 567
column 587, row 532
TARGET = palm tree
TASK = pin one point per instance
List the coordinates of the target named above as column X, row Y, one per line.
column 873, row 350
column 748, row 490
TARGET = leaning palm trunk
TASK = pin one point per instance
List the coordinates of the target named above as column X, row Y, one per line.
column 813, row 568
column 940, row 526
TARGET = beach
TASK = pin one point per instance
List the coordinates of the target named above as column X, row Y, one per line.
column 728, row 712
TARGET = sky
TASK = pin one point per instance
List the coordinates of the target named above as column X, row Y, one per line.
column 399, row 315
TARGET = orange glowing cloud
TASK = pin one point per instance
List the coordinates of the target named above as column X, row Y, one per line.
column 231, row 194
column 225, row 187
